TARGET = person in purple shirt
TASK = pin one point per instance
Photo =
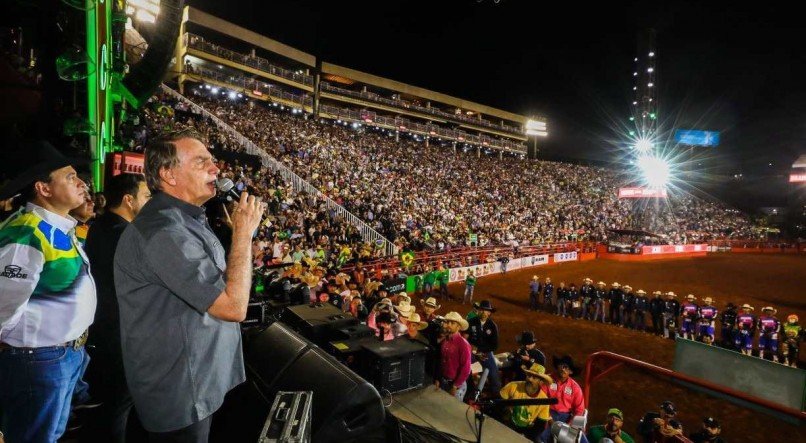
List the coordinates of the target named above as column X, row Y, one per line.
column 746, row 325
column 768, row 328
column 708, row 313
column 689, row 313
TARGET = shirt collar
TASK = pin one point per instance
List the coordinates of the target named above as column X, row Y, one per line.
column 64, row 224
column 163, row 200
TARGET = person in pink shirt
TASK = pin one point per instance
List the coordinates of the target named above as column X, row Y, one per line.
column 454, row 357
column 568, row 393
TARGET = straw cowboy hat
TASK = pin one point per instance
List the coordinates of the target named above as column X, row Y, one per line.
column 615, row 284
column 708, row 300
column 601, row 283
column 534, row 277
column 404, row 308
column 656, row 293
column 587, row 279
column 430, row 301
column 769, row 308
column 538, row 370
column 691, row 297
column 415, row 319
column 671, row 294
column 640, row 292
column 454, row 316
column 747, row 306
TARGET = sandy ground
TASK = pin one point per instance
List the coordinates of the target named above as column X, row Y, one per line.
column 760, row 280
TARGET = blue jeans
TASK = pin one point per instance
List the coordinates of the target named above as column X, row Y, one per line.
column 81, row 394
column 36, row 387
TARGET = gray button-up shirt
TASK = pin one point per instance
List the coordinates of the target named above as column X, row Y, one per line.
column 179, row 360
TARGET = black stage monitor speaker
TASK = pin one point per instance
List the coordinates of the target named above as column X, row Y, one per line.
column 147, row 74
column 318, row 322
column 394, row 365
column 345, row 406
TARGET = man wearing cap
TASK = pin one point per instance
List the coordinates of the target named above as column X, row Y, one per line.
column 180, row 299
column 526, row 355
column 484, row 341
column 599, row 296
column 656, row 312
column 570, row 401
column 48, row 297
column 709, row 433
column 745, row 330
column 528, row 420
column 615, row 297
column 671, row 310
column 534, row 293
column 708, row 313
column 611, row 429
column 586, row 294
column 657, row 425
column 454, row 357
column 768, row 329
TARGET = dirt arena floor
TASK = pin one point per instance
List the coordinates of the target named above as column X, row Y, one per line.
column 762, row 279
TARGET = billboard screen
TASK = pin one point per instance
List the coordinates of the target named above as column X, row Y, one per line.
column 797, row 178
column 696, row 138
column 641, row 193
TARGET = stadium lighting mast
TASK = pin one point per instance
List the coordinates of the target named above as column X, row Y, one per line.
column 644, row 113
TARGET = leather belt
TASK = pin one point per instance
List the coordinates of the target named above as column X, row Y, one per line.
column 75, row 344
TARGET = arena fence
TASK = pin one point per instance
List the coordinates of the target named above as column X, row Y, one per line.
column 368, row 234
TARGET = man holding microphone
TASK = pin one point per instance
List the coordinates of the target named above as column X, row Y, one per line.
column 180, row 299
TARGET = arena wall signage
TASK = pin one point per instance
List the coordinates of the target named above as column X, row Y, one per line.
column 395, row 285
column 673, row 249
column 485, row 269
column 565, row 256
column 641, row 193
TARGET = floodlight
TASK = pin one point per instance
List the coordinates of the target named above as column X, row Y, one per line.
column 656, row 171
column 643, row 145
column 535, row 127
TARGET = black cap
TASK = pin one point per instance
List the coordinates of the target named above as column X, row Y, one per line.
column 668, row 407
column 710, row 422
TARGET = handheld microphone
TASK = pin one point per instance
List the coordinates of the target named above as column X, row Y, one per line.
column 227, row 188
column 482, row 382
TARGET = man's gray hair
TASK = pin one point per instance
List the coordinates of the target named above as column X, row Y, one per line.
column 161, row 153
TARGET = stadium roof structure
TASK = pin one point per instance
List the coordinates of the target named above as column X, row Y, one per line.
column 634, row 233
column 800, row 162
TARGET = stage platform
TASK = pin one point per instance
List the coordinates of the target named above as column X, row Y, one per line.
column 435, row 408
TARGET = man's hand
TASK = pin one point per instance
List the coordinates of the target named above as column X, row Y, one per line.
column 247, row 215
column 454, row 389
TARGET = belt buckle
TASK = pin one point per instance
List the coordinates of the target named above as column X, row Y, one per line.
column 80, row 341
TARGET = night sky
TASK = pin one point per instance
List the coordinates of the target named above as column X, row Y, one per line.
column 726, row 66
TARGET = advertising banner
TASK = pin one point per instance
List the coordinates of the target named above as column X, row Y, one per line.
column 673, row 249
column 696, row 138
column 565, row 256
column 641, row 193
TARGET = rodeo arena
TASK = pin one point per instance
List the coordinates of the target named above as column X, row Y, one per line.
column 215, row 236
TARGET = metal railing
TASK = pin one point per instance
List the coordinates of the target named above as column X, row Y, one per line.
column 297, row 183
column 248, row 84
column 197, row 42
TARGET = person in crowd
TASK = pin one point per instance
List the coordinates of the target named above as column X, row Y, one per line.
column 388, row 326
column 455, row 355
column 429, row 279
column 100, row 203
column 48, row 296
column 599, row 296
column 628, row 307
column 470, row 286
column 707, row 320
column 562, row 300
column 534, row 293
column 84, row 216
column 567, row 391
column 689, row 313
column 443, row 277
column 768, row 329
column 548, row 295
column 586, row 293
column 126, row 196
column 615, row 298
column 709, row 433
column 640, row 305
column 745, row 330
column 793, row 335
column 528, row 420
column 671, row 311
column 657, row 426
column 526, row 355
column 174, row 282
column 656, row 305
column 728, row 322
column 612, row 429
column 483, row 340
column 573, row 302
column 414, row 329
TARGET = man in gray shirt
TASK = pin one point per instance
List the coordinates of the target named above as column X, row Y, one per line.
column 179, row 299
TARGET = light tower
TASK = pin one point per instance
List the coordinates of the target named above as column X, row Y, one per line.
column 644, row 115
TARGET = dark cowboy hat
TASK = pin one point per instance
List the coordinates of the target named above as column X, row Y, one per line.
column 485, row 305
column 35, row 160
column 525, row 338
column 565, row 360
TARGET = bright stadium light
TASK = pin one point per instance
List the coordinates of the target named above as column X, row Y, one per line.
column 535, row 127
column 214, row 90
column 232, row 95
column 655, row 171
column 643, row 145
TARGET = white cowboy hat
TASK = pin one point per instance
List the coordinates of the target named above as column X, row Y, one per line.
column 430, row 301
column 415, row 318
column 454, row 316
column 404, row 308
